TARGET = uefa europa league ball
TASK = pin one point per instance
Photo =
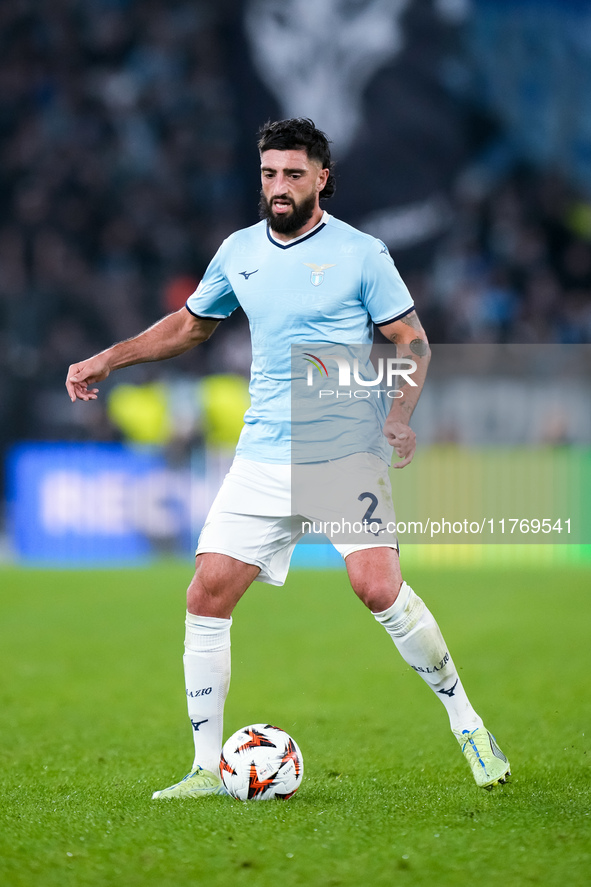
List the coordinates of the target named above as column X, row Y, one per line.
column 261, row 762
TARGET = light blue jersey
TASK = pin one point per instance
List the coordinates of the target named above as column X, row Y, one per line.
column 326, row 286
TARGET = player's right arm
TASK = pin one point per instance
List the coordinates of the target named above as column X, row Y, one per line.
column 169, row 337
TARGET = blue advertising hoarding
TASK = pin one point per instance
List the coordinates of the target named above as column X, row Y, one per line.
column 97, row 502
column 107, row 504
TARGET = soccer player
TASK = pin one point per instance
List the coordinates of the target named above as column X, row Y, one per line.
column 301, row 277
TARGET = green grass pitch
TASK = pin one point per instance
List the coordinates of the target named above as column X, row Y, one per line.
column 93, row 719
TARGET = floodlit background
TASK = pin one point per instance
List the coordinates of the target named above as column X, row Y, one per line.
column 462, row 132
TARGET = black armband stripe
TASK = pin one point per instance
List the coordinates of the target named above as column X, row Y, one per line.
column 396, row 317
column 206, row 316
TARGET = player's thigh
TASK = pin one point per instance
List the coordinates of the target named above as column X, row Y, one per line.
column 218, row 584
column 374, row 574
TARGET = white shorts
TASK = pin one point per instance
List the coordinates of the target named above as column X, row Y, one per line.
column 256, row 519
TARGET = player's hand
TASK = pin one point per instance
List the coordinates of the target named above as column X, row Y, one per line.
column 403, row 439
column 81, row 375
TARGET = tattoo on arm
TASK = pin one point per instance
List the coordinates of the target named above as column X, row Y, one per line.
column 419, row 347
column 411, row 320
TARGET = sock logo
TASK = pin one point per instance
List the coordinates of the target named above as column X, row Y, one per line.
column 450, row 692
column 431, row 669
column 193, row 694
column 197, row 724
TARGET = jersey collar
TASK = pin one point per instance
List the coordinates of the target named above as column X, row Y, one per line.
column 302, row 237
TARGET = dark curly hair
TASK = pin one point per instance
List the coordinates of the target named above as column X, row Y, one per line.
column 296, row 133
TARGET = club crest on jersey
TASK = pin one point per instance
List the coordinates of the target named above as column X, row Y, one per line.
column 317, row 275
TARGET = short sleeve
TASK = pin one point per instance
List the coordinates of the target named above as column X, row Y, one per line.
column 383, row 291
column 214, row 296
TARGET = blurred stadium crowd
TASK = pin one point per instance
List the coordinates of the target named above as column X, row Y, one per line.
column 121, row 174
column 118, row 183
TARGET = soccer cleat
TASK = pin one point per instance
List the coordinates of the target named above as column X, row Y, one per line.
column 488, row 763
column 197, row 784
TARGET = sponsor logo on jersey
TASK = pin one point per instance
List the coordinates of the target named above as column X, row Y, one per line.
column 247, row 274
column 317, row 275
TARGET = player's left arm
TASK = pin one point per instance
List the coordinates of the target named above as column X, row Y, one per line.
column 410, row 339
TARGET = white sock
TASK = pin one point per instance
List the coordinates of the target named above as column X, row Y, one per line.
column 420, row 643
column 207, row 680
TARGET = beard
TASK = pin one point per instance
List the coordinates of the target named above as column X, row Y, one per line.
column 291, row 222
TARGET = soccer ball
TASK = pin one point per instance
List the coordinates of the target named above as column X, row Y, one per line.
column 261, row 762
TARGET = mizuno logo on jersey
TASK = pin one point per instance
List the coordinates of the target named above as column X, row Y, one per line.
column 317, row 275
column 384, row 250
column 247, row 274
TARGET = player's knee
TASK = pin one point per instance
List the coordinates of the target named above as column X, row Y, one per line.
column 378, row 594
column 208, row 601
column 375, row 577
column 218, row 584
column 205, row 590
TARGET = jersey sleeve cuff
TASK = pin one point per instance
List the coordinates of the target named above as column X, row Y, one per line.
column 396, row 317
column 206, row 316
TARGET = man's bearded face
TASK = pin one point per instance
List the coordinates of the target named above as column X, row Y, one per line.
column 284, row 215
